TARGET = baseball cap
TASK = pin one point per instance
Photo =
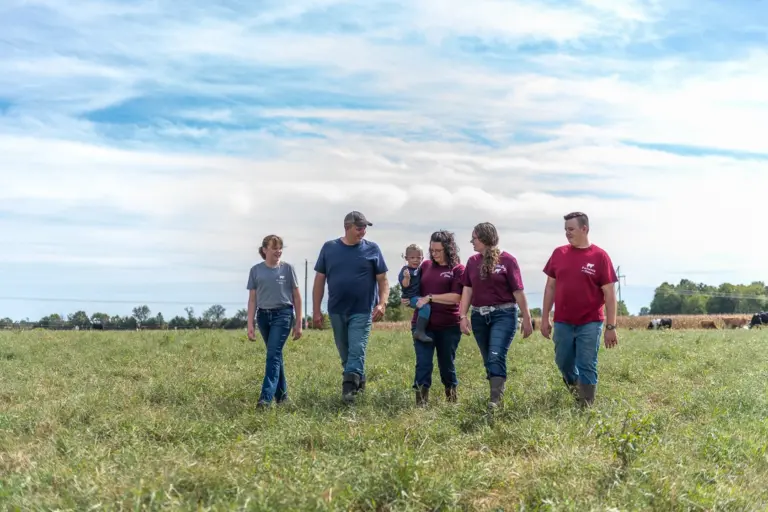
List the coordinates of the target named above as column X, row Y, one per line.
column 357, row 219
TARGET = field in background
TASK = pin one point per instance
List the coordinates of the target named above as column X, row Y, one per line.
column 624, row 322
column 146, row 420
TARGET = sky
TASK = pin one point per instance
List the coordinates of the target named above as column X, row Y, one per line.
column 146, row 148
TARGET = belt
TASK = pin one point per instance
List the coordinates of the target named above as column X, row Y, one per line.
column 487, row 310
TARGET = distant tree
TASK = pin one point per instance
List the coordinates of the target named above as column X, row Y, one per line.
column 79, row 319
column 536, row 312
column 215, row 313
column 645, row 311
column 395, row 310
column 621, row 309
column 100, row 317
column 141, row 313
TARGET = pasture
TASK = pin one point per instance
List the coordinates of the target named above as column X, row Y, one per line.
column 160, row 420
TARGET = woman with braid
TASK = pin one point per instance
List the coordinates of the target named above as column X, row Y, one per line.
column 493, row 287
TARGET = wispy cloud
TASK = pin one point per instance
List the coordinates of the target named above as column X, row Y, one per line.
column 136, row 135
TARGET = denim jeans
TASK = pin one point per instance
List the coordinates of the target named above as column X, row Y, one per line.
column 576, row 348
column 351, row 332
column 445, row 341
column 424, row 310
column 493, row 333
column 274, row 326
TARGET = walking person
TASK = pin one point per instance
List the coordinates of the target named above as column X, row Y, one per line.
column 274, row 299
column 410, row 286
column 358, row 290
column 580, row 285
column 493, row 287
column 440, row 286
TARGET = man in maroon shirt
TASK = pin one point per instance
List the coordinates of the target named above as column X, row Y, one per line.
column 580, row 282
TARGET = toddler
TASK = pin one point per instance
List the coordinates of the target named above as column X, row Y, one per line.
column 410, row 279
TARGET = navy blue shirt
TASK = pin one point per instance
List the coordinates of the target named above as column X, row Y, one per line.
column 412, row 290
column 350, row 272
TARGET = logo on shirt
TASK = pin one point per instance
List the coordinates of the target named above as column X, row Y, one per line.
column 449, row 275
column 500, row 269
column 589, row 268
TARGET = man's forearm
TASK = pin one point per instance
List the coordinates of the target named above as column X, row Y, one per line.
column 610, row 306
column 549, row 299
column 383, row 291
column 317, row 293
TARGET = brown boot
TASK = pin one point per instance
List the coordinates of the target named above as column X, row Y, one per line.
column 587, row 394
column 497, row 391
column 422, row 396
column 450, row 394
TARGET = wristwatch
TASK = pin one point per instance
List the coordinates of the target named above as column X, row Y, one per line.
column 430, row 297
column 609, row 327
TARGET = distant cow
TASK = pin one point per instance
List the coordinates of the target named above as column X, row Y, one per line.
column 735, row 323
column 520, row 322
column 660, row 323
column 759, row 319
column 708, row 324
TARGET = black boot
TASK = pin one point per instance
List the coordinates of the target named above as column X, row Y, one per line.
column 497, row 391
column 587, row 394
column 422, row 396
column 421, row 327
column 450, row 394
column 572, row 389
column 349, row 386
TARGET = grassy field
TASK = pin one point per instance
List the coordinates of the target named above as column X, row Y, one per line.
column 154, row 420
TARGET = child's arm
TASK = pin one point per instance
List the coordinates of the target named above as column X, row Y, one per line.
column 405, row 279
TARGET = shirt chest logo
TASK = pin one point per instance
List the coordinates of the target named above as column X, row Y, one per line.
column 589, row 269
column 500, row 269
column 447, row 275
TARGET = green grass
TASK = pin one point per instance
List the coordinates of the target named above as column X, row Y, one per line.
column 161, row 420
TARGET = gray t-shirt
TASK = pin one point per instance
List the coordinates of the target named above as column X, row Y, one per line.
column 274, row 286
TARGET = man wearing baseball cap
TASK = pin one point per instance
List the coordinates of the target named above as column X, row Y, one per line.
column 358, row 291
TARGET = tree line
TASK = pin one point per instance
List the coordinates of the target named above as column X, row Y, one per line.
column 691, row 298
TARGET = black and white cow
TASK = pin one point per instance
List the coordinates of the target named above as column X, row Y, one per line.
column 759, row 319
column 660, row 323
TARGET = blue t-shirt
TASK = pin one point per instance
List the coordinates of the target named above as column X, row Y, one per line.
column 350, row 272
column 412, row 290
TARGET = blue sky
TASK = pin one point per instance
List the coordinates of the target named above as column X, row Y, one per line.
column 145, row 149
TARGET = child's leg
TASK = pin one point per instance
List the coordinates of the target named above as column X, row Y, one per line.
column 413, row 301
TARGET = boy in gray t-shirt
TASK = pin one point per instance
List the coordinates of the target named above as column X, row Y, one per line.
column 274, row 286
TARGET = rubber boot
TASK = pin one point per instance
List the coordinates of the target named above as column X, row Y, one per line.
column 361, row 387
column 450, row 394
column 422, row 396
column 587, row 394
column 349, row 386
column 497, row 391
column 572, row 389
column 421, row 328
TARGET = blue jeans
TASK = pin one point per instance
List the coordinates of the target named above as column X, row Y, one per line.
column 424, row 310
column 445, row 341
column 576, row 348
column 274, row 326
column 493, row 333
column 351, row 332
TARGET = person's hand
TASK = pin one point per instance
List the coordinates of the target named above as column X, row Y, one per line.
column 464, row 326
column 317, row 320
column 422, row 301
column 527, row 327
column 251, row 333
column 297, row 330
column 546, row 327
column 378, row 312
column 611, row 338
column 405, row 302
column 406, row 273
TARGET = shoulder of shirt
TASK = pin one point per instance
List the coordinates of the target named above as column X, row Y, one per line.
column 507, row 254
column 475, row 257
column 256, row 266
column 369, row 243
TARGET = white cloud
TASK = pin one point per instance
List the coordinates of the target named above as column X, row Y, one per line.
column 272, row 125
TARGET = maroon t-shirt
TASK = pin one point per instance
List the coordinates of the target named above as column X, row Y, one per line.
column 580, row 275
column 438, row 279
column 497, row 288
